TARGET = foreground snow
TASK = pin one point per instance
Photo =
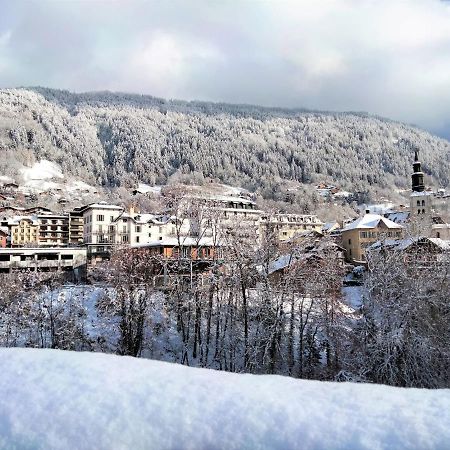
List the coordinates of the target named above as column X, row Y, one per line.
column 52, row 399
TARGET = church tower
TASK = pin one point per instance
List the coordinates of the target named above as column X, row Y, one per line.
column 417, row 176
column 420, row 200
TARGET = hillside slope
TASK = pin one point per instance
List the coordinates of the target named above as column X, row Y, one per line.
column 119, row 139
column 55, row 399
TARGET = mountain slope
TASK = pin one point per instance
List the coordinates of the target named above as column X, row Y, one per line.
column 118, row 139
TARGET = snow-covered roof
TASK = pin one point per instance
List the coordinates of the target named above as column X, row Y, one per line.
column 398, row 216
column 403, row 244
column 370, row 221
column 156, row 219
column 164, row 405
column 102, row 205
column 420, row 194
column 16, row 220
column 330, row 225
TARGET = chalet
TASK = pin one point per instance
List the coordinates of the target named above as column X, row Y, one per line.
column 312, row 254
column 423, row 252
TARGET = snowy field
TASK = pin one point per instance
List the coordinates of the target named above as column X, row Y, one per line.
column 52, row 399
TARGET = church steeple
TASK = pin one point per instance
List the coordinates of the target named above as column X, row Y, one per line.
column 417, row 176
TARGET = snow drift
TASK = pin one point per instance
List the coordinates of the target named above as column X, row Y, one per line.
column 63, row 400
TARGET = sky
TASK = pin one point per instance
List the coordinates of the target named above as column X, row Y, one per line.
column 385, row 57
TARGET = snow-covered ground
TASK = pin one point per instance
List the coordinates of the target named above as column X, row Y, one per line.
column 52, row 399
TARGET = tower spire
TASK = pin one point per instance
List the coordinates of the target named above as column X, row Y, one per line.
column 417, row 176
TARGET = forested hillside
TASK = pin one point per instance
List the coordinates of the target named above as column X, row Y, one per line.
column 119, row 139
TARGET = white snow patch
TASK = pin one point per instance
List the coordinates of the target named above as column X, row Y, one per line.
column 42, row 170
column 4, row 179
column 63, row 400
column 146, row 188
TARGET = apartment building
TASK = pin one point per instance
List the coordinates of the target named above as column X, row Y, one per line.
column 24, row 231
column 53, row 230
column 136, row 228
column 76, row 227
column 216, row 216
column 98, row 219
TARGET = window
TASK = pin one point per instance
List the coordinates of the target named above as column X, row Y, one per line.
column 418, row 211
column 423, row 211
column 349, row 242
column 160, row 238
column 125, row 238
column 111, row 218
column 423, row 202
column 149, row 234
column 124, row 228
column 100, row 217
column 438, row 235
column 364, row 234
column 160, row 230
column 137, row 238
column 100, row 229
column 138, row 228
column 418, row 202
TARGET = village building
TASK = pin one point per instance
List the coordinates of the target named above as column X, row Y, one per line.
column 76, row 227
column 363, row 232
column 53, row 230
column 422, row 252
column 99, row 230
column 286, row 226
column 23, row 231
column 70, row 260
column 136, row 228
column 441, row 231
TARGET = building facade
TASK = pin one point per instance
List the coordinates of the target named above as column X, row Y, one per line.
column 363, row 232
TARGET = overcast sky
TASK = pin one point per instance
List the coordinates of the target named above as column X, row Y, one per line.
column 387, row 57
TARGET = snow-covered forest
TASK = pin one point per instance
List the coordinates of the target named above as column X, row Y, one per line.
column 118, row 139
column 242, row 317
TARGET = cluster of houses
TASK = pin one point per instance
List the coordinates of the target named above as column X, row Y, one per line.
column 200, row 227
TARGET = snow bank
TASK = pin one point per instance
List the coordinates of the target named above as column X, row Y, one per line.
column 63, row 400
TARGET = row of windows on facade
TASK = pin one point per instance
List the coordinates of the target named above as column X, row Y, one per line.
column 374, row 234
column 103, row 239
column 111, row 229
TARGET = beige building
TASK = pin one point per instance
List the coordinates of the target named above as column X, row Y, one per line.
column 363, row 232
column 24, row 231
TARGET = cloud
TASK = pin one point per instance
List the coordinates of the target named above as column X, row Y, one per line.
column 389, row 57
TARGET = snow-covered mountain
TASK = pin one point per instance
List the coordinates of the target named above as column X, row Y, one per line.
column 119, row 139
column 54, row 399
